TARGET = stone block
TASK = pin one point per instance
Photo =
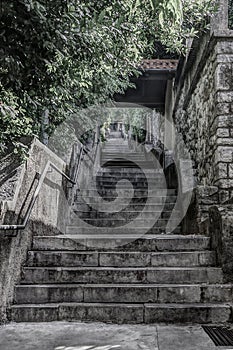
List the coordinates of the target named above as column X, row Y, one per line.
column 223, row 132
column 230, row 170
column 223, row 97
column 224, row 154
column 223, row 108
column 217, row 293
column 224, row 58
column 39, row 294
column 58, row 243
column 182, row 243
column 120, row 293
column 225, row 46
column 84, row 275
column 48, row 258
column 34, row 313
column 223, row 76
column 221, row 171
column 224, row 141
column 125, row 259
column 189, row 313
column 184, row 275
column 224, row 183
column 179, row 294
column 113, row 313
column 224, row 121
column 182, row 259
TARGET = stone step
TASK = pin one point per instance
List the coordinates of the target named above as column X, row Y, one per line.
column 83, row 207
column 156, row 188
column 111, row 151
column 122, row 158
column 125, row 193
column 118, row 153
column 127, row 214
column 76, row 223
column 127, row 164
column 173, row 275
column 112, row 177
column 132, row 171
column 187, row 313
column 125, row 200
column 123, row 293
column 123, row 183
column 117, row 232
column 133, row 177
column 154, row 243
column 123, row 313
column 120, row 259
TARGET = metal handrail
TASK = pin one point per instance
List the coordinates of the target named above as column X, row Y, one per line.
column 39, row 185
column 35, row 196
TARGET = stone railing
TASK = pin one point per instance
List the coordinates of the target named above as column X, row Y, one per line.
column 46, row 217
column 221, row 20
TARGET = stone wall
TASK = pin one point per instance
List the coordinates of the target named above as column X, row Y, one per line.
column 221, row 231
column 46, row 218
column 203, row 112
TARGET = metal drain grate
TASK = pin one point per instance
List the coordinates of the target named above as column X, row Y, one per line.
column 221, row 336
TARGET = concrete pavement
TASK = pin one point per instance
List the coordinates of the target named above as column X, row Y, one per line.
column 98, row 336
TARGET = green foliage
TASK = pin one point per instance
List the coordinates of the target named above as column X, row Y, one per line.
column 63, row 55
column 12, row 126
column 182, row 19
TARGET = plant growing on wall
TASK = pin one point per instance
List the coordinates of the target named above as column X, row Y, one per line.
column 59, row 55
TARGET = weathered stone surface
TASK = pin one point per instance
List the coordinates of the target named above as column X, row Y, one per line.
column 191, row 337
column 41, row 294
column 125, row 259
column 179, row 294
column 225, row 46
column 224, row 154
column 193, row 313
column 84, row 275
column 184, row 275
column 111, row 313
column 35, row 313
column 203, row 109
column 183, row 259
column 221, row 229
column 148, row 278
column 223, row 76
column 127, row 293
column 62, row 258
column 43, row 220
column 120, row 293
column 80, row 336
column 145, row 243
column 217, row 293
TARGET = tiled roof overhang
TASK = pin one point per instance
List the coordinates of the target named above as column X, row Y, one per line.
column 151, row 85
column 157, row 64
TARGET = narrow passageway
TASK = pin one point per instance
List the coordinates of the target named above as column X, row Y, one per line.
column 116, row 262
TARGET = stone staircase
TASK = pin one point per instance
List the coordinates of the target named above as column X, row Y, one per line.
column 105, row 270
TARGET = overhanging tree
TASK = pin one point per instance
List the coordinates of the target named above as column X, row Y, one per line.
column 59, row 55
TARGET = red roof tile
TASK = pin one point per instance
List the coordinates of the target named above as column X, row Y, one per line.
column 159, row 64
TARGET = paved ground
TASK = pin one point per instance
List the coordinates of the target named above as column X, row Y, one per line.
column 93, row 336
